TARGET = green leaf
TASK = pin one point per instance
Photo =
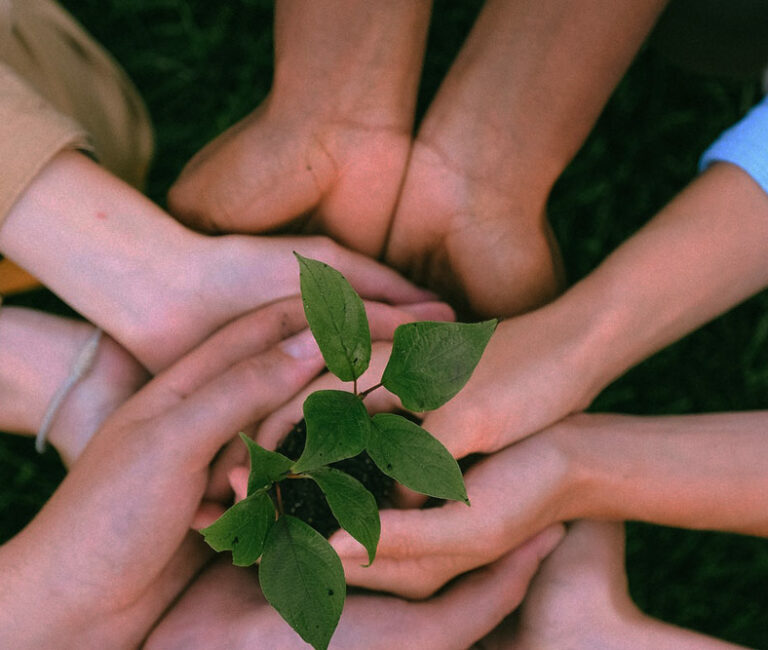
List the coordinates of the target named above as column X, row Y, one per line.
column 415, row 458
column 353, row 506
column 337, row 428
column 431, row 362
column 266, row 466
column 336, row 316
column 243, row 528
column 302, row 578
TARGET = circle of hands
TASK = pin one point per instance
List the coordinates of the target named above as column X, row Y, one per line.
column 334, row 173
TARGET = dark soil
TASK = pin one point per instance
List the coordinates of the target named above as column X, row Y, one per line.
column 305, row 500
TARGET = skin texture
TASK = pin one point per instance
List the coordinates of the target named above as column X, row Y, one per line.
column 327, row 150
column 225, row 609
column 701, row 255
column 99, row 580
column 475, row 182
column 699, row 471
column 579, row 601
column 28, row 380
column 155, row 286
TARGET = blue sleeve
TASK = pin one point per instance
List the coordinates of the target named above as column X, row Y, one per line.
column 745, row 144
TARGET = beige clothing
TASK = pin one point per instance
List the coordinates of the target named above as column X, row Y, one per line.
column 59, row 89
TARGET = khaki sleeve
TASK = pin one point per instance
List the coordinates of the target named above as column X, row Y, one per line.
column 32, row 132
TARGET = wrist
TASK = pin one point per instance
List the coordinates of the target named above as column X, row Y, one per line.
column 358, row 60
column 28, row 381
column 579, row 488
column 103, row 247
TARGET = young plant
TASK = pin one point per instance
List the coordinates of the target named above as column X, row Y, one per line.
column 300, row 573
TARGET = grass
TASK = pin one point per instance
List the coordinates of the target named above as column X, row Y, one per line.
column 202, row 65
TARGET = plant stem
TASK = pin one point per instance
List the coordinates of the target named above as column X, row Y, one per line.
column 365, row 393
column 354, row 386
column 279, row 496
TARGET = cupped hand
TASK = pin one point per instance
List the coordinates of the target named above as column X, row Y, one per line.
column 225, row 608
column 110, row 550
column 536, row 369
column 383, row 320
column 303, row 171
column 484, row 245
column 514, row 494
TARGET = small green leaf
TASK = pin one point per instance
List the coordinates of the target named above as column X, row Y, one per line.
column 337, row 428
column 243, row 528
column 302, row 578
column 353, row 506
column 431, row 362
column 266, row 466
column 415, row 458
column 336, row 316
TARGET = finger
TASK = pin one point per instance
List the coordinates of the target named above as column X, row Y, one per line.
column 385, row 319
column 232, row 455
column 245, row 393
column 277, row 425
column 369, row 278
column 238, row 480
column 207, row 513
column 431, row 311
column 480, row 601
column 250, row 334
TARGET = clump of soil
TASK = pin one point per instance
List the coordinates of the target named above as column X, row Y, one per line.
column 305, row 500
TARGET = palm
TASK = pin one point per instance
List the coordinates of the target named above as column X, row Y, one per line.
column 332, row 175
column 462, row 236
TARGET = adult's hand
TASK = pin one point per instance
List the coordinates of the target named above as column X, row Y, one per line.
column 225, row 608
column 111, row 549
column 596, row 466
column 155, row 286
column 580, row 599
column 327, row 150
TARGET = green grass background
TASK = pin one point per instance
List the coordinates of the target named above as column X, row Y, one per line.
column 203, row 65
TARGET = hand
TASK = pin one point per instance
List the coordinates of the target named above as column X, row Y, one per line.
column 514, row 493
column 224, row 608
column 383, row 321
column 110, row 551
column 580, row 599
column 156, row 287
column 327, row 150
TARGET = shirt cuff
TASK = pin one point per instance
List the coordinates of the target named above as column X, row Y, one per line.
column 32, row 132
column 745, row 144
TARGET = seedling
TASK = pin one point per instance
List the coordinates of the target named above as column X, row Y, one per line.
column 300, row 573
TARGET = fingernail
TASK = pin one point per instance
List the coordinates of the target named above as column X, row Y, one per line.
column 301, row 346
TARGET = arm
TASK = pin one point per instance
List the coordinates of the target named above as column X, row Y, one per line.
column 154, row 285
column 37, row 351
column 702, row 471
column 701, row 255
column 337, row 125
column 580, row 599
column 516, row 105
column 695, row 471
column 86, row 562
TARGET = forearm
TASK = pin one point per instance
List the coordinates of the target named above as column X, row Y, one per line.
column 535, row 75
column 699, row 471
column 701, row 255
column 103, row 247
column 356, row 59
